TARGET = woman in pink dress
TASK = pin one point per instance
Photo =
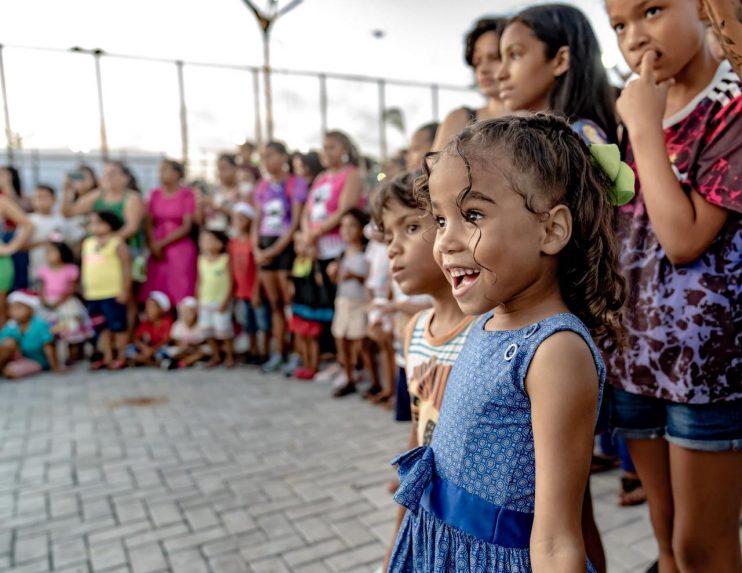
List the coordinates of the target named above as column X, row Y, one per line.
column 170, row 211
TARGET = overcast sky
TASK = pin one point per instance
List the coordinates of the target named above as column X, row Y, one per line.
column 52, row 97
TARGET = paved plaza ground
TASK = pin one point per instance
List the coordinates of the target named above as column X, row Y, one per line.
column 211, row 472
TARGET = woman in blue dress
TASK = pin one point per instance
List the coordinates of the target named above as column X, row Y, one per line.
column 524, row 212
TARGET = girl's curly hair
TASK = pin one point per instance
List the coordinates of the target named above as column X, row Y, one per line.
column 399, row 188
column 549, row 164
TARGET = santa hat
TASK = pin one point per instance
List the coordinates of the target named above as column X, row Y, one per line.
column 188, row 302
column 161, row 299
column 29, row 299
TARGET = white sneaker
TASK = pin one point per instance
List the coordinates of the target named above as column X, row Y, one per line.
column 340, row 380
column 328, row 374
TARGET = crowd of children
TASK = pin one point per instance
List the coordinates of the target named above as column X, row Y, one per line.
column 519, row 291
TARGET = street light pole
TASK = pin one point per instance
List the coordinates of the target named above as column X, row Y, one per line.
column 267, row 80
column 266, row 21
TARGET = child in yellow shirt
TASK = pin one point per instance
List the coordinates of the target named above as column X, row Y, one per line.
column 215, row 295
column 106, row 283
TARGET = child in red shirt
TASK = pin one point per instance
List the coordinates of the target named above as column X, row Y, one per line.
column 153, row 333
column 251, row 311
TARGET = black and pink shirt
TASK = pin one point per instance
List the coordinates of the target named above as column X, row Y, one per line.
column 685, row 321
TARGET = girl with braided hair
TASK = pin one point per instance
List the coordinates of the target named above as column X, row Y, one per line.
column 524, row 215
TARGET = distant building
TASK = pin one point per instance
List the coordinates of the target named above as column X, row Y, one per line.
column 50, row 166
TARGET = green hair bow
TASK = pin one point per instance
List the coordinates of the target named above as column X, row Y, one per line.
column 608, row 157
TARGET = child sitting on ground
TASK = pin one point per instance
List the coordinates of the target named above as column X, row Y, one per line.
column 186, row 336
column 61, row 308
column 153, row 333
column 26, row 342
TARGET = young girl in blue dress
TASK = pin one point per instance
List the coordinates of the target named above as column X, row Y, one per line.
column 551, row 62
column 524, row 217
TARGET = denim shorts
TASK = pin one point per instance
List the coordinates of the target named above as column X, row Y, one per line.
column 251, row 318
column 714, row 427
column 111, row 311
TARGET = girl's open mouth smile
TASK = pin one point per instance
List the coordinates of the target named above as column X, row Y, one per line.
column 462, row 279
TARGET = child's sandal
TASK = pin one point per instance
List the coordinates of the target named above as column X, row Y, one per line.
column 373, row 391
column 632, row 492
column 117, row 364
column 600, row 464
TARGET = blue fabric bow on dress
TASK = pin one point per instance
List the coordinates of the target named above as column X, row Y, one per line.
column 419, row 486
column 415, row 474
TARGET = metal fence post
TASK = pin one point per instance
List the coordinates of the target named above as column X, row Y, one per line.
column 99, row 82
column 256, row 94
column 6, row 108
column 323, row 103
column 183, row 114
column 434, row 101
column 382, row 120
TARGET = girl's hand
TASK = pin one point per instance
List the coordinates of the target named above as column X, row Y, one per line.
column 332, row 272
column 224, row 306
column 257, row 293
column 123, row 298
column 157, row 250
column 642, row 102
column 5, row 251
column 268, row 256
column 314, row 236
column 386, row 307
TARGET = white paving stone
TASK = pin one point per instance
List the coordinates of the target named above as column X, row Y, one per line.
column 209, row 472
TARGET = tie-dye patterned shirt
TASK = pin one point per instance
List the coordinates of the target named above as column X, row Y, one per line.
column 685, row 321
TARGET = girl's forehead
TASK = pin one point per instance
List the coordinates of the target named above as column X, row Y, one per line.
column 627, row 7
column 451, row 172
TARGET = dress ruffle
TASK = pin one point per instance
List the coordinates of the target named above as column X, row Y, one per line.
column 427, row 544
column 415, row 469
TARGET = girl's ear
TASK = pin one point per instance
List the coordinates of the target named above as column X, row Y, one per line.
column 561, row 61
column 557, row 230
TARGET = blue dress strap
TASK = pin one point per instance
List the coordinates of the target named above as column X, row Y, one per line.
column 522, row 352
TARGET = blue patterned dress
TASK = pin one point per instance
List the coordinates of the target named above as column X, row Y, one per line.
column 470, row 494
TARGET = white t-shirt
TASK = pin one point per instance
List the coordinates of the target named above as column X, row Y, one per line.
column 44, row 226
column 181, row 332
column 377, row 281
